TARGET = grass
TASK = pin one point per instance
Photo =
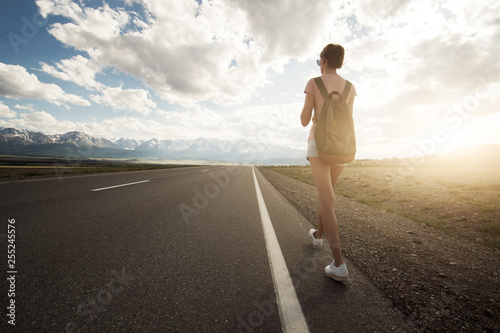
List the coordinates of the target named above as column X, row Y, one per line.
column 492, row 228
column 14, row 172
column 462, row 201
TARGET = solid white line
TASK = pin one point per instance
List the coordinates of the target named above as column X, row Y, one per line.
column 107, row 188
column 205, row 170
column 292, row 317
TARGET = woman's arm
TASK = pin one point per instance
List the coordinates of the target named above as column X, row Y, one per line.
column 305, row 116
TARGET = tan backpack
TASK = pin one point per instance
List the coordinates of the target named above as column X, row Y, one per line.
column 334, row 132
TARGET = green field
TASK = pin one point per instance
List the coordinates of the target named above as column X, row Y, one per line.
column 463, row 201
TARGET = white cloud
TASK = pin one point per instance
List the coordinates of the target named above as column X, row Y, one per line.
column 136, row 128
column 270, row 124
column 62, row 7
column 414, row 61
column 197, row 117
column 45, row 122
column 28, row 107
column 411, row 62
column 79, row 70
column 6, row 112
column 193, row 123
column 186, row 51
column 16, row 82
column 288, row 29
column 108, row 128
column 136, row 100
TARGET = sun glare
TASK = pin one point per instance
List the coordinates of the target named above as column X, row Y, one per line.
column 469, row 135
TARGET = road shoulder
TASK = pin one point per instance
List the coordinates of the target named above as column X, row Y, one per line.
column 354, row 306
column 424, row 272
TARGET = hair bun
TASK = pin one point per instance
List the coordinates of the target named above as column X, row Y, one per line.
column 334, row 55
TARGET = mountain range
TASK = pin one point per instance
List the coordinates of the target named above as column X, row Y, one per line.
column 79, row 145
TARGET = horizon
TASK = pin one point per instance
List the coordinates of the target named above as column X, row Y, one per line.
column 131, row 69
column 486, row 155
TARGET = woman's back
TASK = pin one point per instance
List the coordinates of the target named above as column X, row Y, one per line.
column 333, row 82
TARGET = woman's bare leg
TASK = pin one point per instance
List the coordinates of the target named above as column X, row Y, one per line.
column 335, row 172
column 322, row 177
column 319, row 232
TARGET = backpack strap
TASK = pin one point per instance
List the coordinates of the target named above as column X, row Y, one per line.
column 324, row 92
column 322, row 88
column 347, row 90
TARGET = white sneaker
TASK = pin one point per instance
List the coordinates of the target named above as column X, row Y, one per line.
column 337, row 273
column 317, row 243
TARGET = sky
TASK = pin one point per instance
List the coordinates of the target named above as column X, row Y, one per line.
column 426, row 72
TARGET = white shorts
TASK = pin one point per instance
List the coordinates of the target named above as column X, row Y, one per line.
column 312, row 151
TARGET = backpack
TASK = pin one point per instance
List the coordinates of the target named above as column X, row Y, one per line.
column 334, row 132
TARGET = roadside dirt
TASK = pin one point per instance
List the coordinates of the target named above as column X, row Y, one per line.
column 441, row 283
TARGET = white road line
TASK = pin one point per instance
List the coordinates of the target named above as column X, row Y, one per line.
column 107, row 188
column 292, row 317
column 205, row 170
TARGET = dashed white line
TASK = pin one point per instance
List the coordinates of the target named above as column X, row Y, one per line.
column 292, row 317
column 110, row 187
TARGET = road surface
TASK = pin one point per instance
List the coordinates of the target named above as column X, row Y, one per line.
column 173, row 250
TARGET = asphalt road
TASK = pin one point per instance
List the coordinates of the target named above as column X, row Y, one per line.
column 174, row 250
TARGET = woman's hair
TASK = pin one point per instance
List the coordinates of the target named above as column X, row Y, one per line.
column 334, row 55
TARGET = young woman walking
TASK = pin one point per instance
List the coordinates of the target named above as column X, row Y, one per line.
column 325, row 175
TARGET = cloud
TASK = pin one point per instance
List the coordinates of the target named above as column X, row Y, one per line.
column 28, row 107
column 16, row 82
column 136, row 100
column 63, row 7
column 269, row 124
column 414, row 62
column 187, row 52
column 6, row 112
column 79, row 70
column 45, row 122
column 109, row 128
column 411, row 62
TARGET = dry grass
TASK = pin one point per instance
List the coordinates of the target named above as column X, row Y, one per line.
column 23, row 172
column 460, row 200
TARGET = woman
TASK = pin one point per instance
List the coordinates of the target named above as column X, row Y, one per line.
column 325, row 175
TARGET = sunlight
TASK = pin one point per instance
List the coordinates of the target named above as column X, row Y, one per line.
column 461, row 139
column 471, row 133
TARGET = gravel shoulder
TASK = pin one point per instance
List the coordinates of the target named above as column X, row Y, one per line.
column 441, row 283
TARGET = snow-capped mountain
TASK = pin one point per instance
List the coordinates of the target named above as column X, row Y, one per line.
column 127, row 144
column 80, row 139
column 154, row 144
column 24, row 142
column 14, row 136
column 22, row 137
